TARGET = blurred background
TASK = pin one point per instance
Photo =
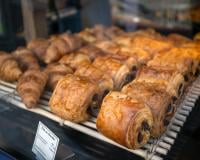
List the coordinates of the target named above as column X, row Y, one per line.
column 23, row 20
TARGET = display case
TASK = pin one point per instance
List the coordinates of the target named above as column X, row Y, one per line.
column 153, row 22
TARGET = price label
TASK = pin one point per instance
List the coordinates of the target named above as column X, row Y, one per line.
column 45, row 144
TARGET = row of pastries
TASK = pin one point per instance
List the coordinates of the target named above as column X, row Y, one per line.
column 131, row 81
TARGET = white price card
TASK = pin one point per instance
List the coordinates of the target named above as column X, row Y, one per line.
column 45, row 144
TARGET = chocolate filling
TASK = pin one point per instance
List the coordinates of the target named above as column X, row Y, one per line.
column 174, row 99
column 134, row 68
column 180, row 89
column 105, row 93
column 166, row 122
column 128, row 78
column 93, row 109
column 144, row 127
column 186, row 78
column 197, row 73
column 168, row 113
column 95, row 98
column 140, row 137
column 169, row 109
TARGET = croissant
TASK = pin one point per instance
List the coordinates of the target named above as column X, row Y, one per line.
column 113, row 31
column 49, row 50
column 55, row 72
column 173, row 81
column 73, row 41
column 157, row 99
column 100, row 32
column 125, row 120
column 30, row 87
column 39, row 47
column 72, row 97
column 106, row 33
column 9, row 68
column 74, row 59
column 92, row 51
column 53, row 49
column 119, row 72
column 108, row 46
column 26, row 58
column 87, row 35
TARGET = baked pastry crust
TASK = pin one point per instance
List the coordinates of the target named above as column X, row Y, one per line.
column 72, row 97
column 125, row 120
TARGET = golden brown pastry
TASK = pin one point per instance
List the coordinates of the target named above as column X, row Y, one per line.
column 73, row 41
column 30, row 87
column 39, row 47
column 113, row 31
column 56, row 50
column 125, row 120
column 127, row 37
column 92, row 51
column 9, row 68
column 75, row 59
column 26, row 58
column 173, row 80
column 72, row 98
column 119, row 72
column 87, row 35
column 108, row 46
column 178, row 39
column 130, row 55
column 197, row 37
column 97, row 76
column 140, row 55
column 55, row 72
column 192, row 50
column 100, row 32
column 52, row 50
column 178, row 59
column 157, row 99
column 151, row 45
column 149, row 32
column 117, row 52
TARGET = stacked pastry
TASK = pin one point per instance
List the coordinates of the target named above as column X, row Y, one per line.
column 32, row 82
column 135, row 79
column 159, row 85
column 106, row 64
column 23, row 65
column 52, row 49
